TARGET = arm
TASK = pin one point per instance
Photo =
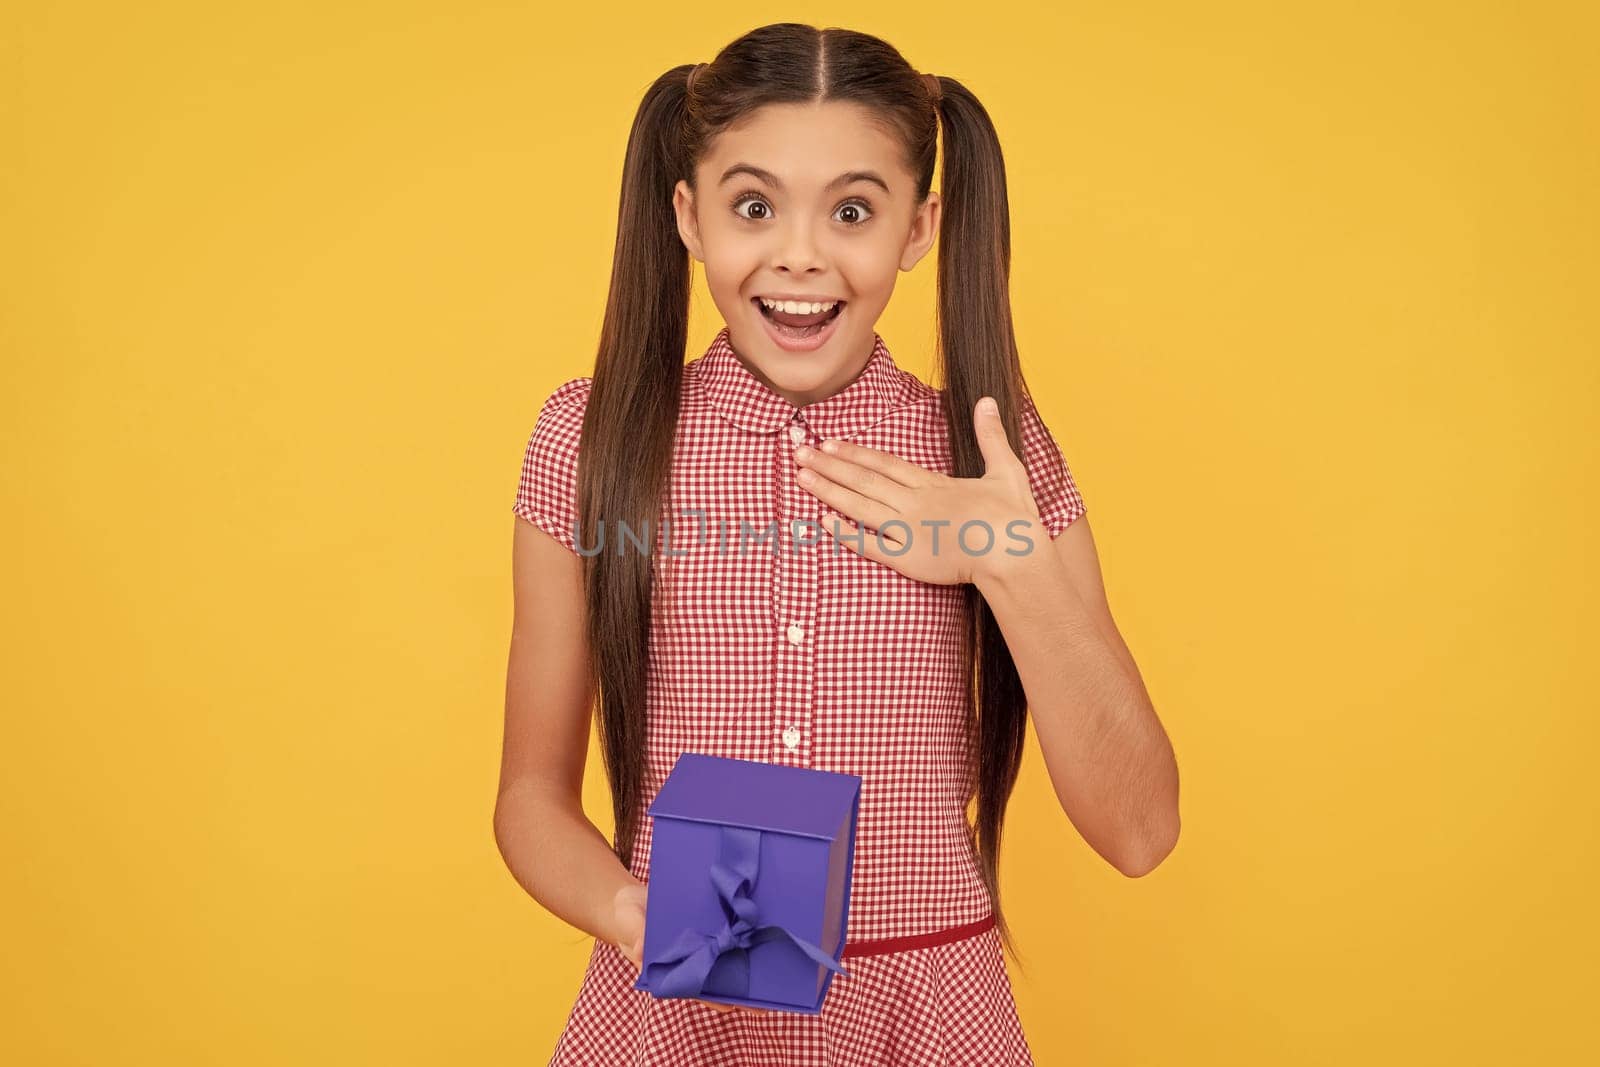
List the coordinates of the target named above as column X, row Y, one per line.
column 1108, row 756
column 553, row 850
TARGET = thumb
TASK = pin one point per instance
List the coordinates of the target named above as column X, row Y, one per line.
column 991, row 433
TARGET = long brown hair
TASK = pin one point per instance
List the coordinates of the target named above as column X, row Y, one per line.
column 638, row 370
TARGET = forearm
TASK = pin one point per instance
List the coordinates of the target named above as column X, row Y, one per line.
column 559, row 857
column 1107, row 755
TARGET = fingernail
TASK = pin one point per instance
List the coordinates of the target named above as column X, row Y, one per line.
column 988, row 406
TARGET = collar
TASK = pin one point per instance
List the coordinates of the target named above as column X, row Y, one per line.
column 734, row 391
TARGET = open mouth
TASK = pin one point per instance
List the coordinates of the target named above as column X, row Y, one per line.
column 798, row 327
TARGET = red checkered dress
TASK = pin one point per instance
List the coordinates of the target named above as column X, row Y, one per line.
column 816, row 657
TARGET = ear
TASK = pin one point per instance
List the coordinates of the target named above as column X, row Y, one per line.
column 924, row 228
column 688, row 224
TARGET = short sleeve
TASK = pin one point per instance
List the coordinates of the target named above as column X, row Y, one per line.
column 1054, row 490
column 547, row 491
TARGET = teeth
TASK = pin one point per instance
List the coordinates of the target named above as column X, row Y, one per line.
column 798, row 307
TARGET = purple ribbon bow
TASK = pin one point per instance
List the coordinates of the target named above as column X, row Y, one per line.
column 682, row 968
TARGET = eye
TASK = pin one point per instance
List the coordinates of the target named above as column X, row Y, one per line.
column 753, row 198
column 857, row 206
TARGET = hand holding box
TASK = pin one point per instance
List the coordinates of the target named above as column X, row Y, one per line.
column 749, row 883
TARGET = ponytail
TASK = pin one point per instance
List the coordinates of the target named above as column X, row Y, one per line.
column 977, row 357
column 622, row 477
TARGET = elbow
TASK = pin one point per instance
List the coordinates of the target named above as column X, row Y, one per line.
column 498, row 825
column 506, row 805
column 513, row 814
column 1155, row 833
column 1146, row 854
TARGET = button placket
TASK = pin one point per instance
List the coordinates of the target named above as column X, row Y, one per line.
column 794, row 606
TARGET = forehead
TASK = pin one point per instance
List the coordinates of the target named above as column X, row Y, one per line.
column 806, row 145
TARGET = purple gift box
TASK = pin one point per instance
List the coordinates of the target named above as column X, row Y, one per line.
column 749, row 884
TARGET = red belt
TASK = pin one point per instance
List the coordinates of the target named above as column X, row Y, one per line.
column 905, row 944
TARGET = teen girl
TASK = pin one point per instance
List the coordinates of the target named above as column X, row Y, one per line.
column 926, row 579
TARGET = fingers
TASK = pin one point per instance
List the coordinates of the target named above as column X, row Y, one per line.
column 847, row 501
column 855, row 539
column 890, row 466
column 991, row 433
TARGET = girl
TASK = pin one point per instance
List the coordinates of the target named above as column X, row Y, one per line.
column 814, row 559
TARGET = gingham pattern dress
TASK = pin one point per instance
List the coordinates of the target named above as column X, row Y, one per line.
column 810, row 656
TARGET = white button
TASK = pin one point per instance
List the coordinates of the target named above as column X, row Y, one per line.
column 796, row 635
column 791, row 738
column 797, row 434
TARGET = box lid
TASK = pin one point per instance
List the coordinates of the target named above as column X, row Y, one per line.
column 756, row 796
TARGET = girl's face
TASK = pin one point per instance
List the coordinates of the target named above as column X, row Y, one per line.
column 804, row 202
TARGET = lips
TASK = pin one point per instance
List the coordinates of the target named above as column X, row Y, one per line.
column 796, row 321
column 799, row 333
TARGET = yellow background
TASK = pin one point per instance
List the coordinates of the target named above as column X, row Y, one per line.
column 1306, row 296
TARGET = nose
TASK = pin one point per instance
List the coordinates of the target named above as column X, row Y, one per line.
column 798, row 252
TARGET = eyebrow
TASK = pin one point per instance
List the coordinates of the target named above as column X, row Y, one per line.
column 773, row 180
